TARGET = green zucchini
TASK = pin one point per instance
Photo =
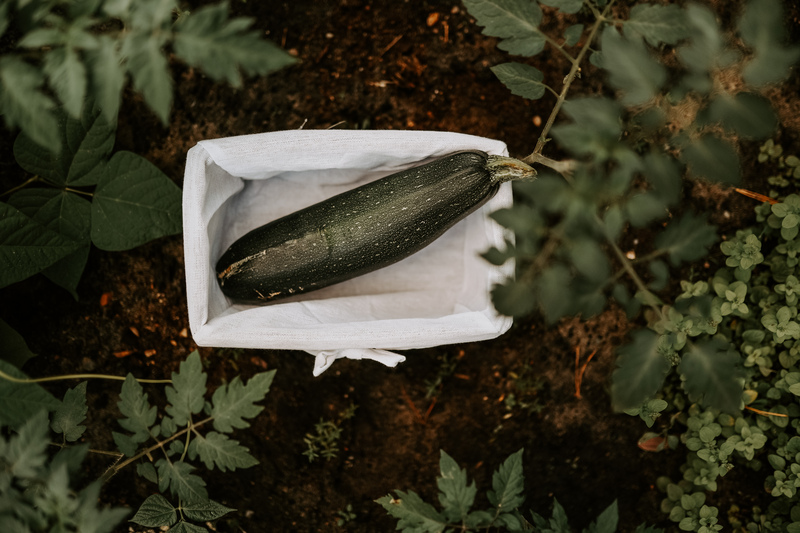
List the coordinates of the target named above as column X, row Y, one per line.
column 363, row 229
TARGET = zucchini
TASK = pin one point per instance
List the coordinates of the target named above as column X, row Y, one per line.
column 363, row 229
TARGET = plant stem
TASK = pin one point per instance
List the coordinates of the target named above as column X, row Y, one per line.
column 626, row 264
column 21, row 186
column 11, row 378
column 573, row 73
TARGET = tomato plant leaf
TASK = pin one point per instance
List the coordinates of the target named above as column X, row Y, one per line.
column 188, row 389
column 220, row 46
column 687, row 238
column 516, row 22
column 514, row 298
column 762, row 28
column 455, row 495
column 413, row 513
column 712, row 158
column 107, row 77
column 235, row 401
column 26, row 452
column 67, row 76
column 177, row 476
column 70, row 413
column 657, row 23
column 155, row 511
column 522, row 80
column 150, row 72
column 218, row 450
column 607, row 521
column 710, row 370
column 133, row 204
column 746, row 114
column 24, row 104
column 508, row 484
column 631, row 68
column 641, row 369
column 573, row 34
column 134, row 406
column 565, row 6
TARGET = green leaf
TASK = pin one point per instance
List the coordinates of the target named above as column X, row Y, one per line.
column 86, row 144
column 209, row 40
column 26, row 452
column 642, row 209
column 125, row 444
column 216, row 449
column 710, row 369
column 150, row 71
column 687, row 238
column 67, row 76
column 565, row 6
column 641, row 369
column 155, row 511
column 133, row 404
column 235, row 401
column 514, row 298
column 23, row 103
column 508, row 484
column 705, row 50
column 68, row 416
column 553, row 290
column 19, row 402
column 573, row 34
column 762, row 28
column 205, row 511
column 413, row 514
column 107, row 76
column 631, row 68
column 455, row 495
column 186, row 527
column 595, row 129
column 147, row 471
column 522, row 80
column 589, row 259
column 67, row 214
column 90, row 518
column 607, row 521
column 514, row 21
column 188, row 389
column 747, row 114
column 712, row 158
column 178, row 478
column 664, row 175
column 657, row 23
column 13, row 348
column 133, row 204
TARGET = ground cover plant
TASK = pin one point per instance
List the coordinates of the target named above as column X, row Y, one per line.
column 614, row 162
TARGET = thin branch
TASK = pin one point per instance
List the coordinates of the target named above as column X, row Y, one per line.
column 34, row 179
column 11, row 378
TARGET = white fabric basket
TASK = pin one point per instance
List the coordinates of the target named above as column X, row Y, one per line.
column 441, row 295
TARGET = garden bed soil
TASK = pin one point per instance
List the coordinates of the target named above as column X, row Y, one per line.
column 378, row 65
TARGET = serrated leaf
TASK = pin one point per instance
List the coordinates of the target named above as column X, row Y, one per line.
column 235, row 401
column 573, row 34
column 70, row 413
column 155, row 511
column 514, row 298
column 747, row 114
column 514, row 21
column 147, row 471
column 589, row 259
column 26, row 452
column 178, row 478
column 522, row 80
column 15, row 350
column 413, row 514
column 205, row 511
column 687, row 238
column 107, row 76
column 67, row 76
column 125, row 444
column 706, row 48
column 607, row 521
column 508, row 484
column 641, row 369
column 133, row 404
column 710, row 369
column 187, row 393
column 762, row 28
column 150, row 72
column 90, row 518
column 657, row 23
column 554, row 292
column 19, row 402
column 595, row 129
column 712, row 158
column 24, row 104
column 565, row 6
column 664, row 175
column 631, row 68
column 642, row 209
column 133, row 204
column 455, row 496
column 207, row 39
column 217, row 450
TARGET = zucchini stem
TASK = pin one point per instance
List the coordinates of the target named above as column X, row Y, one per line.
column 502, row 169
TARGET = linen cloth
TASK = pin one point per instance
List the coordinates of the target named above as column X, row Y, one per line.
column 440, row 295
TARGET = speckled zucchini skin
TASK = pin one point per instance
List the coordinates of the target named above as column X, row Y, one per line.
column 355, row 232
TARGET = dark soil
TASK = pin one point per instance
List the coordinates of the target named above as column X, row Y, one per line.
column 382, row 65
